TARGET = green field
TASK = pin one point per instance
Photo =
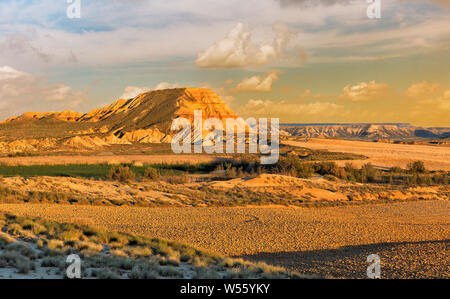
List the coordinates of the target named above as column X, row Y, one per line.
column 98, row 170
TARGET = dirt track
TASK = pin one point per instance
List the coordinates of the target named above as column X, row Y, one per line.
column 275, row 231
column 383, row 154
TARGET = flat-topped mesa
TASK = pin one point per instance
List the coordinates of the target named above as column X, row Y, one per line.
column 178, row 102
column 365, row 131
column 172, row 103
column 146, row 118
column 151, row 114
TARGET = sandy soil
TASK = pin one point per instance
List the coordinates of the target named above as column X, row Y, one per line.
column 255, row 231
column 383, row 154
column 107, row 191
column 290, row 190
column 111, row 159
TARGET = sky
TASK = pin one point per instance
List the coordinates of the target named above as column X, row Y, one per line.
column 303, row 61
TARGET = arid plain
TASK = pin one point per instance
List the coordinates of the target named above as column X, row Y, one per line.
column 411, row 235
column 435, row 157
column 319, row 211
column 333, row 241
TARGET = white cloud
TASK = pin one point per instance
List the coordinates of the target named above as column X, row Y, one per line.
column 442, row 102
column 33, row 36
column 258, row 83
column 288, row 3
column 166, row 85
column 364, row 92
column 423, row 90
column 20, row 91
column 289, row 109
column 444, row 3
column 238, row 50
column 133, row 91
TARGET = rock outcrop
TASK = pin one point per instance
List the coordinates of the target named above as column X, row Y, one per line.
column 146, row 118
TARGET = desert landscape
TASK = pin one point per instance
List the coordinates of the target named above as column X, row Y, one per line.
column 195, row 144
column 318, row 212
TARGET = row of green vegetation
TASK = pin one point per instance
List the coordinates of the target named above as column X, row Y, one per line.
column 245, row 166
column 165, row 149
column 415, row 174
column 307, row 154
column 101, row 170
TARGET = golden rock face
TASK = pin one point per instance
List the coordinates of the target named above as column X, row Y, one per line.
column 179, row 101
column 205, row 100
column 182, row 102
column 146, row 118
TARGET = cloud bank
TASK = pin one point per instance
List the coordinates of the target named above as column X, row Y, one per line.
column 133, row 91
column 364, row 92
column 258, row 83
column 237, row 49
column 19, row 89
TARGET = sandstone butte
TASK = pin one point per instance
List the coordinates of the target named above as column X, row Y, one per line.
column 147, row 118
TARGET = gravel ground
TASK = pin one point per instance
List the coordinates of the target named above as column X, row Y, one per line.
column 408, row 260
column 306, row 239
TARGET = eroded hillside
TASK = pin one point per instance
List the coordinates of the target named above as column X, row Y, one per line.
column 146, row 118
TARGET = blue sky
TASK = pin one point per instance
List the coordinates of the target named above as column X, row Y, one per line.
column 312, row 60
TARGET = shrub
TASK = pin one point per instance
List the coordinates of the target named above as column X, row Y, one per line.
column 107, row 274
column 53, row 261
column 86, row 245
column 324, row 168
column 118, row 252
column 138, row 251
column 6, row 239
column 177, row 179
column 71, row 235
column 396, row 169
column 170, row 271
column 14, row 259
column 368, row 173
column 55, row 244
column 36, row 228
column 144, row 271
column 24, row 265
column 22, row 249
column 292, row 165
column 122, row 174
column 417, row 167
column 151, row 174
